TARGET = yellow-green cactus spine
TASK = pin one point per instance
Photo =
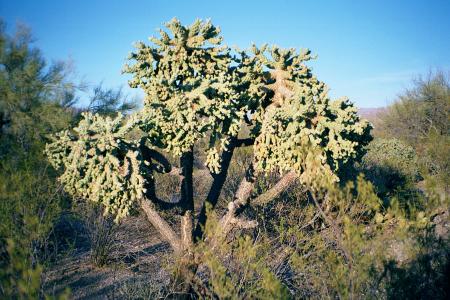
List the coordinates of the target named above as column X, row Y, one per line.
column 99, row 164
column 301, row 114
column 194, row 87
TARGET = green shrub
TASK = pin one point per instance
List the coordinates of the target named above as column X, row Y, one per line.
column 32, row 99
column 393, row 167
column 419, row 117
column 338, row 243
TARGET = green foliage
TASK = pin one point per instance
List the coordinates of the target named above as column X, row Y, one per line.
column 31, row 201
column 237, row 269
column 32, row 100
column 109, row 101
column 392, row 166
column 331, row 251
column 31, row 92
column 393, row 154
column 420, row 110
column 16, row 277
column 436, row 158
column 339, row 242
column 420, row 117
column 345, row 245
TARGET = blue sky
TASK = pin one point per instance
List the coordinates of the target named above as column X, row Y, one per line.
column 367, row 50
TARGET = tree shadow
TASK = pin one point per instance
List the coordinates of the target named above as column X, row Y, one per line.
column 427, row 276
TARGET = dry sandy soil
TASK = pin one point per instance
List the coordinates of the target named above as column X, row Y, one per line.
column 135, row 267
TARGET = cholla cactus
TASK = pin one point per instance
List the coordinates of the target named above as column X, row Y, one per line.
column 193, row 86
column 197, row 88
column 301, row 114
column 99, row 164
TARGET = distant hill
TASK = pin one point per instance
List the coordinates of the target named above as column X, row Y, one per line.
column 371, row 113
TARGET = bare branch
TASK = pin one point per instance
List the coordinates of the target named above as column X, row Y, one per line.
column 243, row 196
column 230, row 220
column 186, row 230
column 175, row 171
column 276, row 190
column 245, row 188
column 162, row 226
